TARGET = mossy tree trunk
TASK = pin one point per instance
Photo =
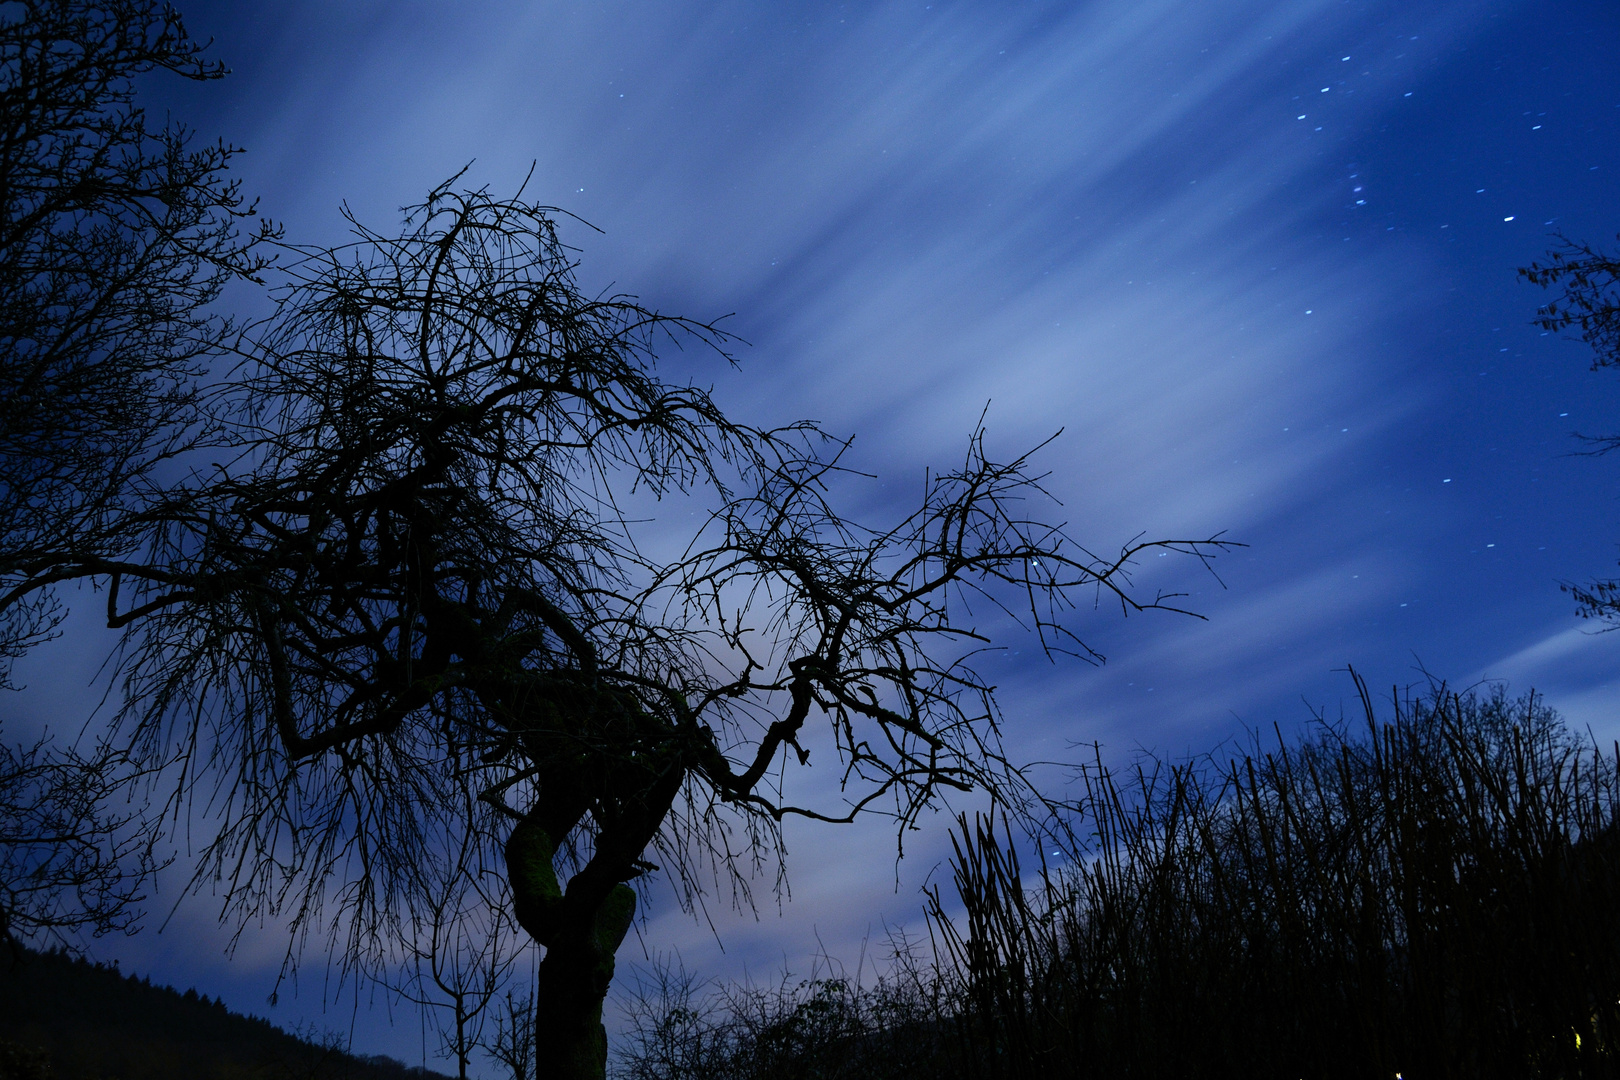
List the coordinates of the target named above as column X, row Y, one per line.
column 581, row 924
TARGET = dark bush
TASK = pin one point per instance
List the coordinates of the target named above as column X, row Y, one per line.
column 1431, row 896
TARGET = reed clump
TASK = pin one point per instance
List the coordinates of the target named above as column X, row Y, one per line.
column 1435, row 895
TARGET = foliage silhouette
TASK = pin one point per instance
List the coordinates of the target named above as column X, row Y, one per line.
column 1432, row 898
column 1590, row 279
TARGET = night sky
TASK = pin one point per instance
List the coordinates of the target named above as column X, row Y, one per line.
column 1255, row 259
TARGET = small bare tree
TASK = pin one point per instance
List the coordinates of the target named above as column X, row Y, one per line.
column 423, row 611
column 460, row 947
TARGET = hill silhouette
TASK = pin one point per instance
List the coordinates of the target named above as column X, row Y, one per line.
column 66, row 1018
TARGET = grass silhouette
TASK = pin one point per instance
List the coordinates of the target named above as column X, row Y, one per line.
column 1432, row 895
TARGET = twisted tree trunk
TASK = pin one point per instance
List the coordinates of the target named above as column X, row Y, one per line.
column 583, row 925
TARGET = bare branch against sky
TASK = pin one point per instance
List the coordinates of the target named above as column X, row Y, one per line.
column 1255, row 259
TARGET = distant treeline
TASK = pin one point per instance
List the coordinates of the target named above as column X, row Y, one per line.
column 65, row 1018
column 1432, row 896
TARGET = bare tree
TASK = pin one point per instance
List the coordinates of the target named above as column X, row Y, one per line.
column 425, row 610
column 1590, row 305
column 461, row 946
column 115, row 237
column 70, row 861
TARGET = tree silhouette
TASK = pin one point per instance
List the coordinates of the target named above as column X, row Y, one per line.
column 1590, row 304
column 115, row 236
column 67, row 862
column 431, row 609
column 460, row 956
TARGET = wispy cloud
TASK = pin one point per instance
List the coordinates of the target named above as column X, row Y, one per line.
column 1121, row 218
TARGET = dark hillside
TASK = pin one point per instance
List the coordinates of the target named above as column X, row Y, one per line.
column 91, row 1022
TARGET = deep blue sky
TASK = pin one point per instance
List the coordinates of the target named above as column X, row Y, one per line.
column 1256, row 258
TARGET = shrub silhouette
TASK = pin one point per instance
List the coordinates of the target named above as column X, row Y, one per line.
column 1431, row 896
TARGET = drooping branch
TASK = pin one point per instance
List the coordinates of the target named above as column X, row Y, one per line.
column 413, row 612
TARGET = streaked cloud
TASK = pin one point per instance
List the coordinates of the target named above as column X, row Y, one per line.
column 1105, row 217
